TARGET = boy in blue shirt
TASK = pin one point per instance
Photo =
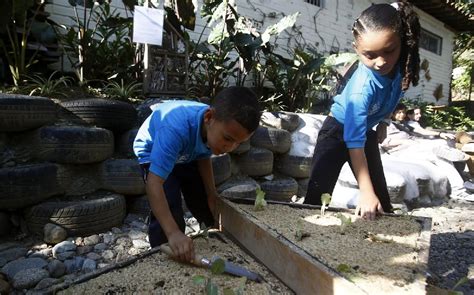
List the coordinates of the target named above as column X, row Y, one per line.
column 174, row 146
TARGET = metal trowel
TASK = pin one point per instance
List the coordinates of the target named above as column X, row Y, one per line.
column 229, row 267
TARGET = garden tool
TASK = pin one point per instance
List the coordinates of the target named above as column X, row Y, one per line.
column 229, row 267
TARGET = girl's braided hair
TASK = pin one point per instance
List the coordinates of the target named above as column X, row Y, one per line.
column 400, row 18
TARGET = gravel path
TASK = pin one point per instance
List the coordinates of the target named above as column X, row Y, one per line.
column 451, row 256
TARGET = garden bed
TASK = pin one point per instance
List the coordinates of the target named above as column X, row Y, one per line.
column 385, row 256
column 156, row 273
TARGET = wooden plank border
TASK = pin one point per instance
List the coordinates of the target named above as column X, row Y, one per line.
column 294, row 267
column 300, row 271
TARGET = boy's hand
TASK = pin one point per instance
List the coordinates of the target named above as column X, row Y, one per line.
column 182, row 246
column 368, row 206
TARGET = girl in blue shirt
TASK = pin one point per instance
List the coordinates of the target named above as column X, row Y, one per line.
column 386, row 39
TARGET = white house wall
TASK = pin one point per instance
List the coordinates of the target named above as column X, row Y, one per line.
column 327, row 30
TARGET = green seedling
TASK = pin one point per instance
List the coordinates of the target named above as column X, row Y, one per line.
column 202, row 233
column 345, row 221
column 300, row 234
column 260, row 202
column 461, row 282
column 348, row 271
column 377, row 238
column 325, row 200
column 211, row 288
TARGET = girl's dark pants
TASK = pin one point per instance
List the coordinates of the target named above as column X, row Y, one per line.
column 185, row 179
column 330, row 154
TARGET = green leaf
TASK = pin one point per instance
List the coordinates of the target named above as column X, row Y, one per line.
column 218, row 266
column 325, row 199
column 211, row 288
column 260, row 202
column 286, row 22
column 199, row 280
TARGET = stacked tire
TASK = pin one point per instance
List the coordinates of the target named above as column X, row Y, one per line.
column 70, row 176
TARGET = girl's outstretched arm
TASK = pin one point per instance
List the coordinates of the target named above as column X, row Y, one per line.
column 369, row 203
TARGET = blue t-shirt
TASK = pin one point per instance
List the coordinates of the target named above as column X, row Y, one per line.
column 171, row 135
column 365, row 101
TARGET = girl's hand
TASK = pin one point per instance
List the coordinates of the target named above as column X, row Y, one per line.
column 368, row 206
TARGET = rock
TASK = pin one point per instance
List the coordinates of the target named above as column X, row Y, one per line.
column 109, row 238
column 38, row 255
column 108, row 254
column 116, row 230
column 56, row 268
column 65, row 246
column 136, row 235
column 91, row 240
column 89, row 265
column 75, row 264
column 65, row 255
column 79, row 241
column 139, row 225
column 28, row 278
column 46, row 283
column 100, row 247
column 13, row 267
column 4, row 287
column 9, row 245
column 102, row 265
column 13, row 253
column 53, row 233
column 124, row 241
column 83, row 250
column 3, row 261
column 93, row 256
column 133, row 251
column 140, row 244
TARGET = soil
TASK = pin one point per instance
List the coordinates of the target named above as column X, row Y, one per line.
column 381, row 255
column 158, row 274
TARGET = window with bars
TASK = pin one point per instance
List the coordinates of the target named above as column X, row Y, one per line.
column 318, row 3
column 431, row 42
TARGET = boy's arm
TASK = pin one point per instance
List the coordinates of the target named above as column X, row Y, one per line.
column 181, row 244
column 369, row 203
column 207, row 174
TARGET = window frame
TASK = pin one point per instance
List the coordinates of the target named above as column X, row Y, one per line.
column 432, row 36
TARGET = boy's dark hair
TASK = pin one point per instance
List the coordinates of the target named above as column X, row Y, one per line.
column 410, row 112
column 402, row 20
column 239, row 104
column 400, row 106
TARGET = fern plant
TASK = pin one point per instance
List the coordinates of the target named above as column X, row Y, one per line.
column 122, row 91
column 49, row 87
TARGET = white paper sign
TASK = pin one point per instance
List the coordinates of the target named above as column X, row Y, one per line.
column 148, row 25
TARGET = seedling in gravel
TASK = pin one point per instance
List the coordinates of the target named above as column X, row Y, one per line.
column 325, row 200
column 345, row 221
column 300, row 234
column 461, row 282
column 202, row 233
column 260, row 202
column 348, row 271
column 217, row 268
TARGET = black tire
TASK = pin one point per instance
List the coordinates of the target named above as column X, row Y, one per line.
column 242, row 148
column 138, row 205
column 275, row 140
column 114, row 115
column 221, row 167
column 73, row 144
column 22, row 112
column 255, row 162
column 280, row 188
column 83, row 215
column 122, row 176
column 125, row 143
column 26, row 185
column 239, row 187
column 293, row 166
column 281, row 120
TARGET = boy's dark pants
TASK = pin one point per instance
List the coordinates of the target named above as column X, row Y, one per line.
column 330, row 154
column 185, row 179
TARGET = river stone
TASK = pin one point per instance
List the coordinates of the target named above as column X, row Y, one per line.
column 13, row 267
column 13, row 254
column 56, row 268
column 46, row 283
column 65, row 246
column 53, row 233
column 89, row 265
column 91, row 240
column 28, row 278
